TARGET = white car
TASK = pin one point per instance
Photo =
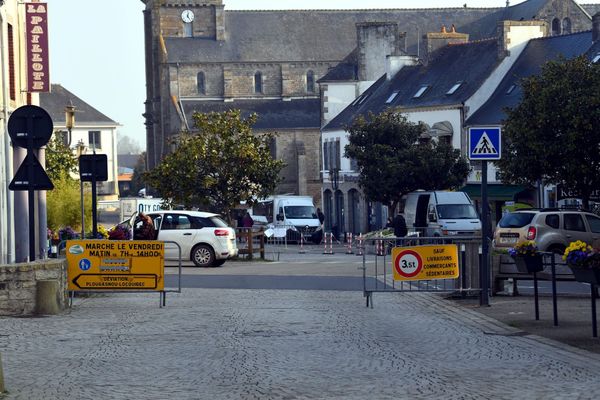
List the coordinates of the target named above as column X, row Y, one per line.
column 204, row 237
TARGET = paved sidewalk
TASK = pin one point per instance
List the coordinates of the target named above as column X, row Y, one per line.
column 574, row 317
column 272, row 344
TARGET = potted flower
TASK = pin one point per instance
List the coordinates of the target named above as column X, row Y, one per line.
column 119, row 232
column 584, row 261
column 527, row 258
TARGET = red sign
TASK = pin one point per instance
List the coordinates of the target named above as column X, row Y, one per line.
column 408, row 263
column 38, row 67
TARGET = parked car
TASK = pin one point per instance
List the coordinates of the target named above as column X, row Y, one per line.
column 204, row 238
column 551, row 229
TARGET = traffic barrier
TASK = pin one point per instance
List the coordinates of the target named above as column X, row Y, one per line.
column 301, row 251
column 360, row 245
column 381, row 248
column 328, row 238
column 349, row 243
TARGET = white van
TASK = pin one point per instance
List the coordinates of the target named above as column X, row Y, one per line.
column 295, row 213
column 441, row 213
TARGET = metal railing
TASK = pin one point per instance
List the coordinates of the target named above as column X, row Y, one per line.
column 378, row 273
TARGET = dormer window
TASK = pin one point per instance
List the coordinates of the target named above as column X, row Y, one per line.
column 421, row 91
column 454, row 88
column 258, row 83
column 596, row 58
column 510, row 89
column 392, row 97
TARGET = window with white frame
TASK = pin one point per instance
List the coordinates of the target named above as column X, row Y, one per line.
column 94, row 140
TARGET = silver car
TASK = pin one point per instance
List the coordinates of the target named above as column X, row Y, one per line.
column 551, row 229
column 204, row 238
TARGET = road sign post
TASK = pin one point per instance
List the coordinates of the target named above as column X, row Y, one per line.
column 485, row 144
column 93, row 168
column 30, row 127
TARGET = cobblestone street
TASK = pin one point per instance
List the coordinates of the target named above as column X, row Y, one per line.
column 273, row 344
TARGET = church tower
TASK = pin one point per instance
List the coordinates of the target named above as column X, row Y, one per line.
column 171, row 19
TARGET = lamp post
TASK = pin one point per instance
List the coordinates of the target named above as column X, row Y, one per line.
column 81, row 149
column 69, row 120
column 334, row 176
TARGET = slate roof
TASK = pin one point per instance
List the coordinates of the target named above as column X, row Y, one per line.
column 316, row 35
column 54, row 103
column 346, row 70
column 536, row 53
column 469, row 63
column 272, row 114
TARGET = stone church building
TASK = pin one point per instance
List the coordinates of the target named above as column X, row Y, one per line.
column 201, row 57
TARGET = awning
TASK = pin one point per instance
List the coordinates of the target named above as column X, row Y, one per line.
column 495, row 192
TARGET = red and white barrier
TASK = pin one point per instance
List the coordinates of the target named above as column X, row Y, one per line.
column 328, row 239
column 301, row 251
column 360, row 245
column 380, row 248
column 349, row 243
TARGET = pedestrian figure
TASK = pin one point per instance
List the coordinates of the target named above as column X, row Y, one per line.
column 146, row 230
column 321, row 216
column 400, row 229
column 247, row 221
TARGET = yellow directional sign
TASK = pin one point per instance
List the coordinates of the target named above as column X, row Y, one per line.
column 115, row 265
column 425, row 262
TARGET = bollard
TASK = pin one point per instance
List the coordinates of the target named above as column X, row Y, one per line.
column 47, row 298
column 360, row 245
column 349, row 241
column 2, row 388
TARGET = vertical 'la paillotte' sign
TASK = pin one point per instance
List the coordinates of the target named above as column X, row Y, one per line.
column 38, row 67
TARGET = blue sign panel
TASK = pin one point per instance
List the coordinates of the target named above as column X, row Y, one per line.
column 485, row 143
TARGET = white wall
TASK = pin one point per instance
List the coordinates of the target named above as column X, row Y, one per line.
column 339, row 96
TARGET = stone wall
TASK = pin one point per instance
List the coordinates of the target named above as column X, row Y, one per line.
column 18, row 284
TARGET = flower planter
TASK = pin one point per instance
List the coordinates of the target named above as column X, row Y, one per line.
column 586, row 275
column 529, row 264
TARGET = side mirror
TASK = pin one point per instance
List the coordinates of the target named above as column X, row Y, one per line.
column 432, row 217
column 279, row 217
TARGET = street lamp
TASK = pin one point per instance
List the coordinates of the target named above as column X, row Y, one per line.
column 69, row 120
column 334, row 176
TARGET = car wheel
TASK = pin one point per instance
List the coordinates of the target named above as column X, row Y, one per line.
column 557, row 249
column 203, row 255
column 218, row 263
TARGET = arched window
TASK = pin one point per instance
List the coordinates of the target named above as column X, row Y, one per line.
column 310, row 81
column 555, row 27
column 187, row 29
column 201, row 83
column 258, row 83
column 566, row 26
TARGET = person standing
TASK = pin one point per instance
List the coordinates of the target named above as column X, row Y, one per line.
column 247, row 221
column 321, row 216
column 400, row 229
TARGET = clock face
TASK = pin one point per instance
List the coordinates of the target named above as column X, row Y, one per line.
column 187, row 16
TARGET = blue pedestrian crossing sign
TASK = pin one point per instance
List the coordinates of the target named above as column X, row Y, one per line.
column 485, row 143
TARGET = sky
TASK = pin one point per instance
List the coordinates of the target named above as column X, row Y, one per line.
column 97, row 47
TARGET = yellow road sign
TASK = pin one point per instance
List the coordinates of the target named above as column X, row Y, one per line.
column 425, row 262
column 115, row 265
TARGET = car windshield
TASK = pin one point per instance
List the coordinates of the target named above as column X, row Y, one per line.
column 515, row 220
column 300, row 212
column 457, row 211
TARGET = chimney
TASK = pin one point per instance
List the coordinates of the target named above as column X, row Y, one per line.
column 396, row 63
column 596, row 27
column 437, row 40
column 376, row 41
column 514, row 35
